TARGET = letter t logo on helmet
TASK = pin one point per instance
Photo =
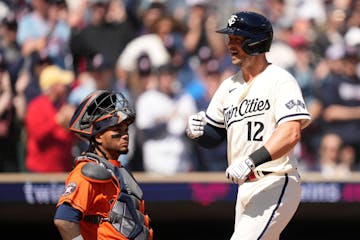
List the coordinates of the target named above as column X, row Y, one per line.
column 232, row 20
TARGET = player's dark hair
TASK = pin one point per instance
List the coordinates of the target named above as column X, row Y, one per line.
column 93, row 146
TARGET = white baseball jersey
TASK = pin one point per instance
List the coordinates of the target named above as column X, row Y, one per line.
column 170, row 153
column 251, row 112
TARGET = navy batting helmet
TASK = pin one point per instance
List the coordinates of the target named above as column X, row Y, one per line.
column 99, row 111
column 254, row 27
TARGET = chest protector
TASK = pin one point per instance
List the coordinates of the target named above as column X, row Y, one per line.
column 128, row 213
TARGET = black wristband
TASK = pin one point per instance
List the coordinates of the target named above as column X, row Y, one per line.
column 260, row 156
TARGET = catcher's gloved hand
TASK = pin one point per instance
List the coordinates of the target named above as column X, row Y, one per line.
column 239, row 171
column 195, row 126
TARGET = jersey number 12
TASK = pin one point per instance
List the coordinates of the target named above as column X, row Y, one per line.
column 254, row 131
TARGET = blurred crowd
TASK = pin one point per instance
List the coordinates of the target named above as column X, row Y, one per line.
column 167, row 59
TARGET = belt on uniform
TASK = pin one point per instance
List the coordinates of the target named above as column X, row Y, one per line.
column 252, row 177
column 95, row 219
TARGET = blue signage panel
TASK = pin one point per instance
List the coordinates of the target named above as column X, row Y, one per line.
column 202, row 193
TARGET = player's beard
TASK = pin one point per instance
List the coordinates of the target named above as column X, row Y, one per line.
column 115, row 149
column 123, row 151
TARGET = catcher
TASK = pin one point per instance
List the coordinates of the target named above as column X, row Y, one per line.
column 102, row 200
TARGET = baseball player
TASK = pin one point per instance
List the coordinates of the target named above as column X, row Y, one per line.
column 102, row 200
column 261, row 111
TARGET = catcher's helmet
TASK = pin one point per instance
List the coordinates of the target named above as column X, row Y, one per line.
column 99, row 111
column 254, row 27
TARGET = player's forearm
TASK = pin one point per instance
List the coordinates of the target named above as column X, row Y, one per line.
column 68, row 230
column 284, row 139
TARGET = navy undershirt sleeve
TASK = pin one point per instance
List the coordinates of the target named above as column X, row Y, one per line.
column 212, row 136
column 156, row 132
column 68, row 213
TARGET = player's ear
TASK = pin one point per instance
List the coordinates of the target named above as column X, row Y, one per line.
column 99, row 138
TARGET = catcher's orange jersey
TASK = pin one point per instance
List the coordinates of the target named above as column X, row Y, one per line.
column 92, row 197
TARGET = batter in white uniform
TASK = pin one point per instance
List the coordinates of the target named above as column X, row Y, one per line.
column 261, row 112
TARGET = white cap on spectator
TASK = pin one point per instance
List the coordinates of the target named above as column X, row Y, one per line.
column 151, row 44
column 352, row 36
column 4, row 10
column 196, row 2
column 335, row 51
column 312, row 9
column 281, row 54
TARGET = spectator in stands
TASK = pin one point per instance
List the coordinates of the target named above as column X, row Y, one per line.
column 195, row 86
column 171, row 32
column 20, row 105
column 27, row 88
column 149, row 44
column 30, row 77
column 8, row 137
column 214, row 159
column 150, row 14
column 12, row 63
column 200, row 42
column 49, row 143
column 77, row 14
column 333, row 158
column 43, row 30
column 303, row 70
column 118, row 12
column 201, row 26
column 341, row 103
column 327, row 67
column 99, row 75
column 19, row 7
column 9, row 46
column 99, row 37
column 161, row 119
column 141, row 78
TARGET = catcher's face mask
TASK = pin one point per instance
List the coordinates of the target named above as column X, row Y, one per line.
column 99, row 111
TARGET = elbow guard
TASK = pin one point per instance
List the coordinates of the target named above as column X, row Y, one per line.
column 212, row 136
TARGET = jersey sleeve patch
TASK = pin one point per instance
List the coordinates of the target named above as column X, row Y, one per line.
column 298, row 104
column 70, row 188
column 292, row 108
